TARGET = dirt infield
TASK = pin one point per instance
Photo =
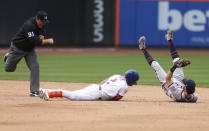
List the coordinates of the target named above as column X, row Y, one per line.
column 144, row 108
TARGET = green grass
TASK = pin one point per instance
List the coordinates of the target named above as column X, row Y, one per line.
column 95, row 68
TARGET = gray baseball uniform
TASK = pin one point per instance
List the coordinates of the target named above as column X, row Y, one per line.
column 175, row 90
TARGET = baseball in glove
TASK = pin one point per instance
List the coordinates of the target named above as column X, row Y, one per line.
column 181, row 63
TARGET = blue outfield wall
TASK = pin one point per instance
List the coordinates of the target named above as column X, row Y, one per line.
column 189, row 20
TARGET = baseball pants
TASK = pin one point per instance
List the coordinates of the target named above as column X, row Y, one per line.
column 178, row 74
column 89, row 93
column 13, row 58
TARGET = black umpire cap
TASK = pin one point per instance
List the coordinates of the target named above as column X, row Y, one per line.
column 43, row 16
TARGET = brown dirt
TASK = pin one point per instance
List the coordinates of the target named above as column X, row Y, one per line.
column 144, row 108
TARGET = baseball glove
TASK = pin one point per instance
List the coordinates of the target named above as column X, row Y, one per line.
column 181, row 63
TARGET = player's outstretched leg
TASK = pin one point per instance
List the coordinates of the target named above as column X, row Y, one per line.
column 160, row 73
column 169, row 38
column 178, row 73
column 46, row 94
column 142, row 47
column 90, row 92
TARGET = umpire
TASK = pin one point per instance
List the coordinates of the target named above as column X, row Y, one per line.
column 30, row 34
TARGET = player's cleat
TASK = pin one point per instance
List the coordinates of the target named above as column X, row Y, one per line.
column 169, row 35
column 43, row 94
column 142, row 43
column 5, row 57
column 34, row 94
column 182, row 63
column 46, row 95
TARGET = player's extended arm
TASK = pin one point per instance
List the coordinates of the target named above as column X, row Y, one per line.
column 177, row 64
column 170, row 73
column 169, row 76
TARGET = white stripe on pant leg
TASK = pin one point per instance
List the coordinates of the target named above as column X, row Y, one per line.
column 91, row 92
column 160, row 73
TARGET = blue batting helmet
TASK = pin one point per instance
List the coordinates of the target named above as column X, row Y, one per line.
column 132, row 77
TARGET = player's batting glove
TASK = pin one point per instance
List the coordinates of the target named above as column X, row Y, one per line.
column 181, row 63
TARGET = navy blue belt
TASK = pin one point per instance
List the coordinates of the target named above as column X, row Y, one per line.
column 100, row 89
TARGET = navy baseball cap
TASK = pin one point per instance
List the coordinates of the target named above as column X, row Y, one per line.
column 43, row 16
column 132, row 77
column 190, row 85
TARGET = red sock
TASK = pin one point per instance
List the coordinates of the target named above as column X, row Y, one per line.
column 170, row 42
column 143, row 50
column 55, row 94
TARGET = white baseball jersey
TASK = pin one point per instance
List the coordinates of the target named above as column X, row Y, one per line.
column 114, row 87
column 175, row 90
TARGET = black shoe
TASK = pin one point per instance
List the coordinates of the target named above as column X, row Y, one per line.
column 5, row 57
column 35, row 94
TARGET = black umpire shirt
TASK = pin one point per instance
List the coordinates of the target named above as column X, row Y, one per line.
column 27, row 36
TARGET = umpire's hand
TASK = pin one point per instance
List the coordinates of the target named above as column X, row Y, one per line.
column 49, row 41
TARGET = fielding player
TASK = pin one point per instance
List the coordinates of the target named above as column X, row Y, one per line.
column 114, row 88
column 30, row 34
column 173, row 83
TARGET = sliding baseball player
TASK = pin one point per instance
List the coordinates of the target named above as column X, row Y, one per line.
column 114, row 88
column 173, row 83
